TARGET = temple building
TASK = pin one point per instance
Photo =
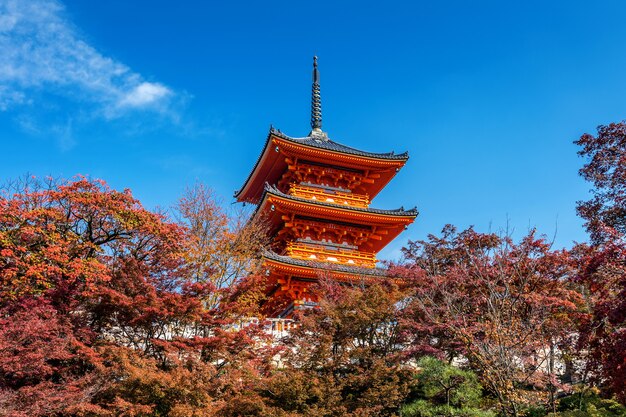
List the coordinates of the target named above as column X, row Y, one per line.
column 315, row 195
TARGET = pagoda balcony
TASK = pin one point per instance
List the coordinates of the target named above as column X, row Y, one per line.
column 332, row 254
column 330, row 196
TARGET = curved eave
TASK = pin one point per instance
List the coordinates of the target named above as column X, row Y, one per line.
column 300, row 204
column 262, row 157
column 270, row 164
column 386, row 224
column 314, row 270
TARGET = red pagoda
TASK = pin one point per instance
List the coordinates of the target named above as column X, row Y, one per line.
column 315, row 194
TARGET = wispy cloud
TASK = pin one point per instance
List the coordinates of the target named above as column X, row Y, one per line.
column 145, row 94
column 41, row 50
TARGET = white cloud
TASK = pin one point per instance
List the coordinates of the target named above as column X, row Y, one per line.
column 145, row 94
column 40, row 50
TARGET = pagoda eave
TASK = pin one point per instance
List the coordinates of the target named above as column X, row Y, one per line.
column 328, row 156
column 336, row 211
column 279, row 148
column 283, row 265
column 380, row 227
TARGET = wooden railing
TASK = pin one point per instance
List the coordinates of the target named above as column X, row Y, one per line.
column 336, row 255
column 330, row 196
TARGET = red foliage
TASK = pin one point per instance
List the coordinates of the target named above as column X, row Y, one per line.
column 86, row 273
column 606, row 170
column 503, row 306
column 344, row 358
column 603, row 337
column 603, row 265
column 44, row 366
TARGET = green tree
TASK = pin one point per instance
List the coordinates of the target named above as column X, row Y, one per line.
column 444, row 390
column 586, row 402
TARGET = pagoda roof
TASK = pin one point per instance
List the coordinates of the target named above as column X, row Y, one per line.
column 413, row 212
column 385, row 224
column 323, row 142
column 317, row 146
column 313, row 266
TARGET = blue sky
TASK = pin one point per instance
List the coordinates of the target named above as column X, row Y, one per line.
column 487, row 96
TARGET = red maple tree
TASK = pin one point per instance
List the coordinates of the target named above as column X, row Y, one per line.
column 603, row 264
column 503, row 307
column 97, row 299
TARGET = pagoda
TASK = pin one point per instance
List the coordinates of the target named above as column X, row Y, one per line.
column 315, row 195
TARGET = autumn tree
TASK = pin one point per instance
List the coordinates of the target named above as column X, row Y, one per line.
column 102, row 312
column 605, row 153
column 505, row 306
column 344, row 357
column 603, row 264
column 223, row 249
column 44, row 366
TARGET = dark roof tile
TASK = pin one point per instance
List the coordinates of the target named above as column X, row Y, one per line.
column 356, row 270
column 396, row 212
column 323, row 142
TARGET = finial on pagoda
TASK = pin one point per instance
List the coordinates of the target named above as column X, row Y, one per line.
column 316, row 101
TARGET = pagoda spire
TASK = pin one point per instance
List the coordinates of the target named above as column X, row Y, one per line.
column 316, row 101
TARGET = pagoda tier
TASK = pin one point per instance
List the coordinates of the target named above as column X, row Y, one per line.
column 317, row 159
column 290, row 280
column 298, row 220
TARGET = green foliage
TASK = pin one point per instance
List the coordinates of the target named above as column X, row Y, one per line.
column 442, row 382
column 423, row 408
column 589, row 404
column 534, row 411
column 444, row 390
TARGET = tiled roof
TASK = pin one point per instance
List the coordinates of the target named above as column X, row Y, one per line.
column 396, row 212
column 323, row 142
column 330, row 266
